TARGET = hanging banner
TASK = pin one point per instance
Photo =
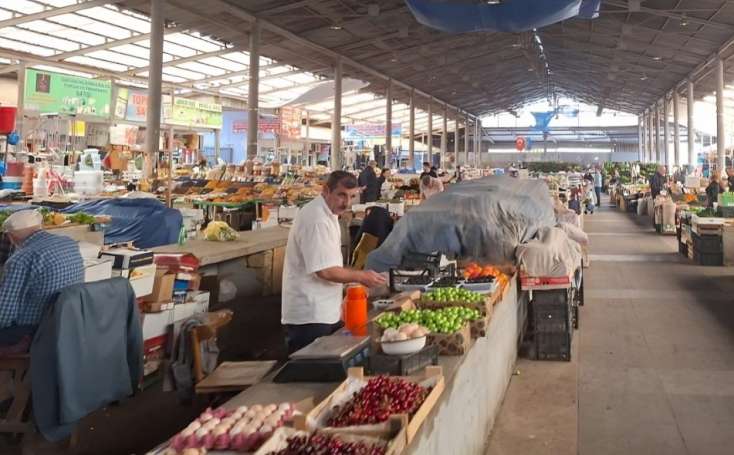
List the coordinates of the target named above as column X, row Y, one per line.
column 370, row 130
column 290, row 123
column 54, row 93
column 266, row 124
column 194, row 114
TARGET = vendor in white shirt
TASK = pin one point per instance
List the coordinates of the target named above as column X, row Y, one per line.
column 314, row 272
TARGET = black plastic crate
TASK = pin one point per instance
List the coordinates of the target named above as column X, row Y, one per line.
column 403, row 365
column 552, row 317
column 716, row 259
column 552, row 296
column 708, row 244
column 553, row 346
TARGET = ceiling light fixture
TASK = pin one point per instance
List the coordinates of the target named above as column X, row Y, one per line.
column 492, row 2
column 657, row 58
column 335, row 27
column 643, row 77
column 683, row 20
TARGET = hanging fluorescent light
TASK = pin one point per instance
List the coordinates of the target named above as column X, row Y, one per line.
column 643, row 77
column 684, row 20
column 335, row 27
column 492, row 2
column 657, row 58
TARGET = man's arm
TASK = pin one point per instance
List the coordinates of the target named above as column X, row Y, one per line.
column 344, row 275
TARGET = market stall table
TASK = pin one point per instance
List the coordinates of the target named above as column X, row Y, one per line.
column 262, row 252
column 475, row 385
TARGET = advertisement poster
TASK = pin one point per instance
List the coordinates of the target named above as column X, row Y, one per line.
column 267, row 125
column 194, row 114
column 48, row 93
column 290, row 123
column 370, row 130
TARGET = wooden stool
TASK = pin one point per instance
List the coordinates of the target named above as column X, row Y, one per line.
column 17, row 419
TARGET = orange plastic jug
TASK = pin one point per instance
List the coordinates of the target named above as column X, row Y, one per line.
column 355, row 310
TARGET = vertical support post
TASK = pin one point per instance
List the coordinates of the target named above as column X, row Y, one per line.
column 657, row 133
column 676, row 128
column 640, row 135
column 388, row 124
column 690, row 126
column 643, row 144
column 720, row 126
column 466, row 140
column 336, row 121
column 430, row 131
column 411, row 131
column 311, row 162
column 155, row 80
column 666, row 132
column 19, row 120
column 477, row 143
column 444, row 137
column 253, row 92
column 217, row 144
column 650, row 136
column 456, row 139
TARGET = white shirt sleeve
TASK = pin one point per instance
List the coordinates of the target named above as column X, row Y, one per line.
column 320, row 249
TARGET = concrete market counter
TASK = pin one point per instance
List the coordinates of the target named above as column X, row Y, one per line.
column 476, row 382
column 249, row 243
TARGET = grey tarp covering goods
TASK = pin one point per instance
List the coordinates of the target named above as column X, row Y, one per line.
column 87, row 353
column 484, row 219
column 552, row 254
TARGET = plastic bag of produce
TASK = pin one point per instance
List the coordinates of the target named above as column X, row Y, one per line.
column 552, row 254
column 483, row 219
column 220, row 231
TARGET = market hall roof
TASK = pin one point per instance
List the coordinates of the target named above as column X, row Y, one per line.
column 626, row 59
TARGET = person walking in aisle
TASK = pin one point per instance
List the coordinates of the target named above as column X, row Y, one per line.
column 598, row 183
column 314, row 272
column 369, row 183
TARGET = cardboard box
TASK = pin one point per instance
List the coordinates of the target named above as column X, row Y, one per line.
column 162, row 286
column 157, row 307
column 97, row 269
column 193, row 281
column 141, row 278
column 125, row 258
column 156, row 324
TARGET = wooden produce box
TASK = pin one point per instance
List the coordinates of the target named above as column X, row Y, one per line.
column 457, row 343
column 432, row 376
column 485, row 306
column 728, row 241
column 279, row 440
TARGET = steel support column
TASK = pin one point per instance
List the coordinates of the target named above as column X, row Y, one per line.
column 666, row 132
column 690, row 125
column 456, row 139
column 676, row 128
column 720, row 117
column 388, row 124
column 657, row 133
column 253, row 92
column 155, row 79
column 466, row 141
column 430, row 131
column 337, row 160
column 444, row 138
column 19, row 121
column 411, row 131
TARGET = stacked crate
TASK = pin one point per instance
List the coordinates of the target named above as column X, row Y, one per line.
column 552, row 319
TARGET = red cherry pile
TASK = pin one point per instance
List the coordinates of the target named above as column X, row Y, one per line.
column 321, row 444
column 382, row 397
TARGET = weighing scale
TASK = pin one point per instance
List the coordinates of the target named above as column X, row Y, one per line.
column 429, row 266
column 327, row 359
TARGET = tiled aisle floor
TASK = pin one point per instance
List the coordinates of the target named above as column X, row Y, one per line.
column 655, row 349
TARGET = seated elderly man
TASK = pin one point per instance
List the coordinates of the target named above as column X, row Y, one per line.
column 41, row 265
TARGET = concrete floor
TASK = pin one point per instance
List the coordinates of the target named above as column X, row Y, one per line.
column 655, row 363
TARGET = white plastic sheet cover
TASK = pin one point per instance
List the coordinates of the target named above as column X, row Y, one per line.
column 484, row 220
column 552, row 254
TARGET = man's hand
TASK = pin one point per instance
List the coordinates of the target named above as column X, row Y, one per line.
column 371, row 279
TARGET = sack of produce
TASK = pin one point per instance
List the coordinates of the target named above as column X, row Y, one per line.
column 220, row 231
column 575, row 233
column 552, row 254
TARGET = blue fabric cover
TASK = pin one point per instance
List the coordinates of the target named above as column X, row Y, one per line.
column 146, row 222
column 511, row 16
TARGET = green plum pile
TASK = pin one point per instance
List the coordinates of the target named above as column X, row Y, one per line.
column 443, row 320
column 453, row 295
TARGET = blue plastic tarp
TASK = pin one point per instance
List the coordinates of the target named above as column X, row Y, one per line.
column 145, row 222
column 511, row 16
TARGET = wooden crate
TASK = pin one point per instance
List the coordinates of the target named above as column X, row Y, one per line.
column 278, row 440
column 432, row 373
column 457, row 343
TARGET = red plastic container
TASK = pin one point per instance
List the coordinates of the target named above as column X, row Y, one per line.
column 7, row 119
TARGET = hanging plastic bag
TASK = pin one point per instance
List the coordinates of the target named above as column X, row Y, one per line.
column 220, row 231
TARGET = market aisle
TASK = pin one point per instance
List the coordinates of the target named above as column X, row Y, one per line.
column 656, row 351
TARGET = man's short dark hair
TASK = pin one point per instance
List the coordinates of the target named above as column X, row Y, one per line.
column 342, row 178
column 426, row 163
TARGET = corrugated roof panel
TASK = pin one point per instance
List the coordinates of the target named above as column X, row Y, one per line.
column 112, row 16
column 22, row 6
column 118, row 58
column 89, row 61
column 224, row 63
column 37, row 39
column 23, row 47
column 193, row 42
column 202, row 68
